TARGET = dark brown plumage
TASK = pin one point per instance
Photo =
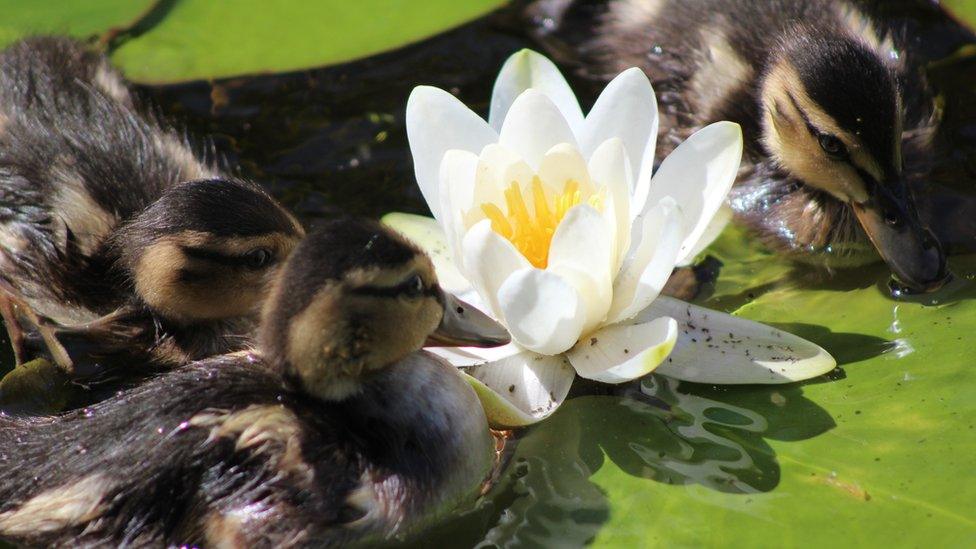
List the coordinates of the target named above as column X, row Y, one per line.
column 836, row 190
column 112, row 229
column 337, row 429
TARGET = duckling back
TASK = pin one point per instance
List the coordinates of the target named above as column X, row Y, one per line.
column 220, row 453
column 77, row 159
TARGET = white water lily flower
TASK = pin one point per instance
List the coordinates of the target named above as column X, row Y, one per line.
column 553, row 223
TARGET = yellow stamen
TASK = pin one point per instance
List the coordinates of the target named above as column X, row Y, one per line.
column 532, row 234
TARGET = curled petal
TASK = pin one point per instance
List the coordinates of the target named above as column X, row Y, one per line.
column 562, row 164
column 623, row 352
column 712, row 231
column 656, row 241
column 718, row 348
column 582, row 252
column 428, row 235
column 489, row 260
column 610, row 168
column 698, row 175
column 521, row 389
column 543, row 312
column 437, row 122
column 527, row 69
column 533, row 126
column 458, row 179
column 627, row 108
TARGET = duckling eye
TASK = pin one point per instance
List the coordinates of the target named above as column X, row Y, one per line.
column 833, row 146
column 413, row 287
column 258, row 258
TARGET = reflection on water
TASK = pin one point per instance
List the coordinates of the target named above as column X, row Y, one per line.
column 660, row 430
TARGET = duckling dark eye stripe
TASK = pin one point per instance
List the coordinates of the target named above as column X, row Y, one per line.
column 806, row 119
column 390, row 291
column 215, row 257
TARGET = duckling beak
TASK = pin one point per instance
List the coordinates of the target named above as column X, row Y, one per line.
column 465, row 326
column 910, row 250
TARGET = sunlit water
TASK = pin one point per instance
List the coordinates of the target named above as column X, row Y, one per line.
column 333, row 140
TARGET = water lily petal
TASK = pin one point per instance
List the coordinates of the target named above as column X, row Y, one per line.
column 528, row 69
column 462, row 357
column 719, row 221
column 714, row 347
column 627, row 108
column 656, row 240
column 698, row 175
column 522, row 389
column 489, row 260
column 543, row 312
column 533, row 126
column 456, row 181
column 562, row 164
column 582, row 252
column 428, row 235
column 499, row 167
column 457, row 188
column 610, row 167
column 437, row 122
column 623, row 352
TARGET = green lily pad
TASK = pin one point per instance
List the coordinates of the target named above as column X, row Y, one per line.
column 219, row 38
column 36, row 387
column 876, row 453
column 965, row 10
column 79, row 18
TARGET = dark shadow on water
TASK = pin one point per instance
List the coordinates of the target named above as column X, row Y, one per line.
column 658, row 430
column 846, row 348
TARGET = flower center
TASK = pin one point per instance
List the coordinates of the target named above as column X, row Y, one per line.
column 531, row 231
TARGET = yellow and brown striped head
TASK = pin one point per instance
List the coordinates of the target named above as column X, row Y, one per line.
column 206, row 250
column 354, row 298
column 832, row 117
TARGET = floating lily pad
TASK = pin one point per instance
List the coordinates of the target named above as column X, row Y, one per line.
column 197, row 39
column 876, row 453
column 79, row 18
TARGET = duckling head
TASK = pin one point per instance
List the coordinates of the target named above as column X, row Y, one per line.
column 355, row 298
column 832, row 117
column 206, row 250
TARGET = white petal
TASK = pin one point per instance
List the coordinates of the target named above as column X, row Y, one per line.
column 582, row 252
column 610, row 168
column 656, row 241
column 718, row 348
column 623, row 352
column 698, row 176
column 627, row 109
column 543, row 312
column 457, row 188
column 533, row 126
column 498, row 168
column 473, row 356
column 436, row 123
column 562, row 164
column 522, row 389
column 456, row 181
column 489, row 260
column 428, row 235
column 715, row 227
column 528, row 69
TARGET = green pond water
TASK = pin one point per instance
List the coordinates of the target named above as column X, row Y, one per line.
column 882, row 451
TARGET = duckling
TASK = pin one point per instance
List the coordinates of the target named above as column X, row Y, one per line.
column 836, row 113
column 337, row 428
column 111, row 230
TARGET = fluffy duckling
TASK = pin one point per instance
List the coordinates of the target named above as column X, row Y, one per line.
column 837, row 116
column 336, row 429
column 111, row 228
